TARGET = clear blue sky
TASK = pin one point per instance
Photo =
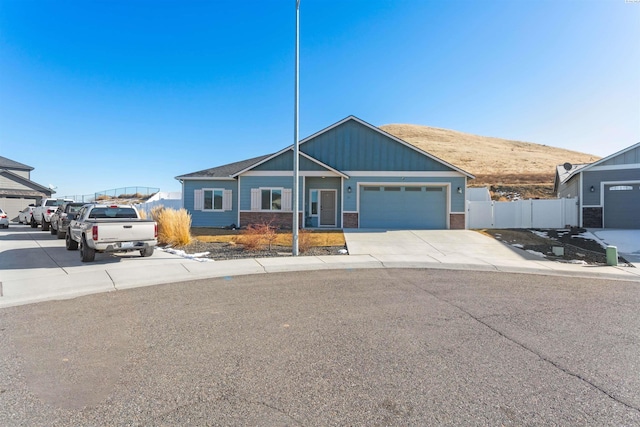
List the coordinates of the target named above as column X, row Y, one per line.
column 104, row 94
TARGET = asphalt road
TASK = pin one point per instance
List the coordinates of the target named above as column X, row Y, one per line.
column 354, row 347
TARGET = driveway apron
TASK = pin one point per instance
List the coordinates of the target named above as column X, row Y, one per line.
column 464, row 246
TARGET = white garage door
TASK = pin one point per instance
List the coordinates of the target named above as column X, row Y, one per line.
column 403, row 207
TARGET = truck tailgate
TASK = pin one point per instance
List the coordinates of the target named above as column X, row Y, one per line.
column 125, row 231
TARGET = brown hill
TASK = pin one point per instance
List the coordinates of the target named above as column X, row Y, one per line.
column 508, row 166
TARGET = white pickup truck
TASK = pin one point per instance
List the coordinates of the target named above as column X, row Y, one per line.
column 110, row 228
column 42, row 213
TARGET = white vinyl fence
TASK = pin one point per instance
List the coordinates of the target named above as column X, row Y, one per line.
column 552, row 213
column 168, row 200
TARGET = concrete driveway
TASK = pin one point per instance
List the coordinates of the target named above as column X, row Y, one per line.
column 627, row 242
column 446, row 246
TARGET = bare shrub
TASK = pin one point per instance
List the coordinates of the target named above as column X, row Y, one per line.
column 173, row 226
column 304, row 240
column 257, row 236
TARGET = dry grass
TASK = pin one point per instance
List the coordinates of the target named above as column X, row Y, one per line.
column 313, row 238
column 500, row 160
column 173, row 226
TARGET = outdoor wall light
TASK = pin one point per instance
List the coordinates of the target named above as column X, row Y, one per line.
column 459, row 190
column 349, row 189
column 592, row 189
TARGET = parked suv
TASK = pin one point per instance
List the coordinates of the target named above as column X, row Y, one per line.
column 42, row 213
column 62, row 217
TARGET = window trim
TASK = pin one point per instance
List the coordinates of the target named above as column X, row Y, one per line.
column 317, row 202
column 204, row 198
column 286, row 199
column 199, row 199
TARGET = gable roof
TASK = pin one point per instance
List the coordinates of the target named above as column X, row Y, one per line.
column 12, row 164
column 370, row 126
column 290, row 148
column 228, row 171
column 563, row 175
column 15, row 177
column 395, row 138
column 601, row 161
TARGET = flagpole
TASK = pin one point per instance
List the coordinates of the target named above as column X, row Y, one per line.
column 296, row 157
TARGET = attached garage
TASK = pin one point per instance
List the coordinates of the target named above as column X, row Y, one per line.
column 403, row 207
column 622, row 206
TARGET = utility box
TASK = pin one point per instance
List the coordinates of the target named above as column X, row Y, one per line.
column 612, row 255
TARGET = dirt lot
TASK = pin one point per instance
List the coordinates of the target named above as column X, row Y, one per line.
column 576, row 249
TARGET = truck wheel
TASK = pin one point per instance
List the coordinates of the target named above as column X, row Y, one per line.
column 53, row 231
column 86, row 253
column 148, row 251
column 61, row 234
column 45, row 225
column 34, row 224
column 71, row 244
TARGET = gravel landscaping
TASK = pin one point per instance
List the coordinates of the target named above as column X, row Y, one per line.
column 577, row 246
column 222, row 251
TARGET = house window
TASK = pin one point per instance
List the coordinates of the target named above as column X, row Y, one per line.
column 314, row 202
column 212, row 199
column 271, row 199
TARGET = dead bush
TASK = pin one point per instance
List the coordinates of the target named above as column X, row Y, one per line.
column 257, row 236
column 305, row 241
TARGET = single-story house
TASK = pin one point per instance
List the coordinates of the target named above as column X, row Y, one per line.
column 352, row 175
column 17, row 191
column 608, row 190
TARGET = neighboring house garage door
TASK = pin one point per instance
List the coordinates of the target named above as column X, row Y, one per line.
column 403, row 207
column 622, row 206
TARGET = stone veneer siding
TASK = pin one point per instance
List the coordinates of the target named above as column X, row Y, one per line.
column 457, row 221
column 592, row 217
column 350, row 220
column 282, row 220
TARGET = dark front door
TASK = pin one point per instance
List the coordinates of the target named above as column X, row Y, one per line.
column 328, row 208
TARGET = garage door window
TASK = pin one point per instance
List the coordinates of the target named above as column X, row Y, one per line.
column 371, row 188
column 412, row 188
column 438, row 189
column 621, row 188
column 391, row 188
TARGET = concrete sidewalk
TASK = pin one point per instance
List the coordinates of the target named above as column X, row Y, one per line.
column 35, row 266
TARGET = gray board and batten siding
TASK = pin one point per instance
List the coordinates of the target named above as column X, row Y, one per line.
column 337, row 166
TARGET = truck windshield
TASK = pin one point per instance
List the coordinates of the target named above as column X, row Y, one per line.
column 128, row 213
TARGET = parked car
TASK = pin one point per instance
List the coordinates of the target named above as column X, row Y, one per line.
column 4, row 219
column 42, row 213
column 62, row 217
column 25, row 215
column 110, row 228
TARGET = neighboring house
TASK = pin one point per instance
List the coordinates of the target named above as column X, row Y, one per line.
column 352, row 175
column 17, row 191
column 608, row 190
